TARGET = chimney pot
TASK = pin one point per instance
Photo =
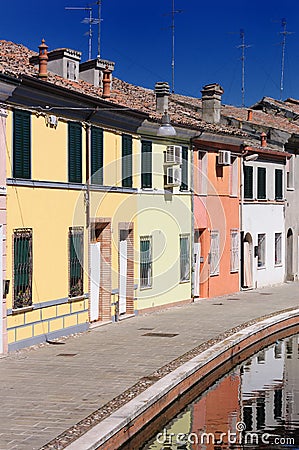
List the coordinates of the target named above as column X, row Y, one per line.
column 249, row 115
column 211, row 102
column 263, row 140
column 43, row 60
column 162, row 92
column 106, row 83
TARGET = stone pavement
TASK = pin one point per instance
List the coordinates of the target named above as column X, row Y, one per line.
column 46, row 390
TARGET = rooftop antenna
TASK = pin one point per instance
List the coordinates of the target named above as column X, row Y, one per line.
column 284, row 34
column 89, row 20
column 243, row 46
column 173, row 13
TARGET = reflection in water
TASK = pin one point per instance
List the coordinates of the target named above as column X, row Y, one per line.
column 254, row 406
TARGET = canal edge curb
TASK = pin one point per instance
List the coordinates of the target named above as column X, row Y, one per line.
column 125, row 422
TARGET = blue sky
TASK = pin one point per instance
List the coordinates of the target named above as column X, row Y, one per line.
column 137, row 36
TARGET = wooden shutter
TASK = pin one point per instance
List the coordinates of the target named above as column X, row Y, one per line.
column 96, row 162
column 278, row 184
column 184, row 185
column 146, row 164
column 261, row 182
column 75, row 152
column 22, row 144
column 126, row 160
column 248, row 182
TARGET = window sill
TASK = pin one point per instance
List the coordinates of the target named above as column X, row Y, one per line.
column 234, row 271
column 278, row 265
column 77, row 299
column 290, row 189
column 214, row 274
column 184, row 281
column 261, row 268
column 146, row 288
column 22, row 310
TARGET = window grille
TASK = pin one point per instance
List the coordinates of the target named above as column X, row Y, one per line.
column 76, row 261
column 234, row 249
column 214, row 253
column 184, row 258
column 22, row 247
column 145, row 262
column 261, row 250
column 278, row 249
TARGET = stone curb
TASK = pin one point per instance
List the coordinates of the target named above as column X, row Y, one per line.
column 122, row 419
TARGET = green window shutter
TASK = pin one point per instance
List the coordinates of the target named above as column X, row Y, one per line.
column 75, row 152
column 127, row 180
column 278, row 184
column 22, row 144
column 146, row 164
column 184, row 185
column 96, row 162
column 248, row 182
column 261, row 182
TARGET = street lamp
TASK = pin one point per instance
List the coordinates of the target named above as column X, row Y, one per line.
column 166, row 129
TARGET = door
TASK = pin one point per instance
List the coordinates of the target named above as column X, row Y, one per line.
column 196, row 269
column 95, row 278
column 123, row 271
column 247, row 263
column 1, row 288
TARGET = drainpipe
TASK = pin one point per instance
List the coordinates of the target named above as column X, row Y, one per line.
column 192, row 211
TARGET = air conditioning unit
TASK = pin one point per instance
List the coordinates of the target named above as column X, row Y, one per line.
column 173, row 176
column 224, row 158
column 52, row 120
column 173, row 154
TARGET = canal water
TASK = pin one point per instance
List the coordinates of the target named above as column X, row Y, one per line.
column 255, row 406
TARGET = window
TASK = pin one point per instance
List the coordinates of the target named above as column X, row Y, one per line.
column 248, row 182
column 184, row 184
column 201, row 179
column 278, row 242
column 261, row 250
column 234, row 177
column 290, row 172
column 234, row 251
column 184, row 258
column 214, row 253
column 96, row 156
column 75, row 152
column 146, row 164
column 278, row 185
column 261, row 183
column 145, row 262
column 22, row 265
column 127, row 161
column 21, row 144
column 75, row 261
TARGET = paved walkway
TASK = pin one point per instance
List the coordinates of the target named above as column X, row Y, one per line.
column 46, row 390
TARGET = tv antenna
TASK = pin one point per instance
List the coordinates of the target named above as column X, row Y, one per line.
column 284, row 39
column 243, row 47
column 173, row 13
column 88, row 20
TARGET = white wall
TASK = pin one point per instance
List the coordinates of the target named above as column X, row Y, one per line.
column 266, row 218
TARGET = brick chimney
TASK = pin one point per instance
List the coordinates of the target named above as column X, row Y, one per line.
column 106, row 83
column 249, row 115
column 43, row 61
column 211, row 102
column 263, row 140
column 162, row 92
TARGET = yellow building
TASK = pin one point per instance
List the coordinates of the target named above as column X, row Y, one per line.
column 98, row 210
